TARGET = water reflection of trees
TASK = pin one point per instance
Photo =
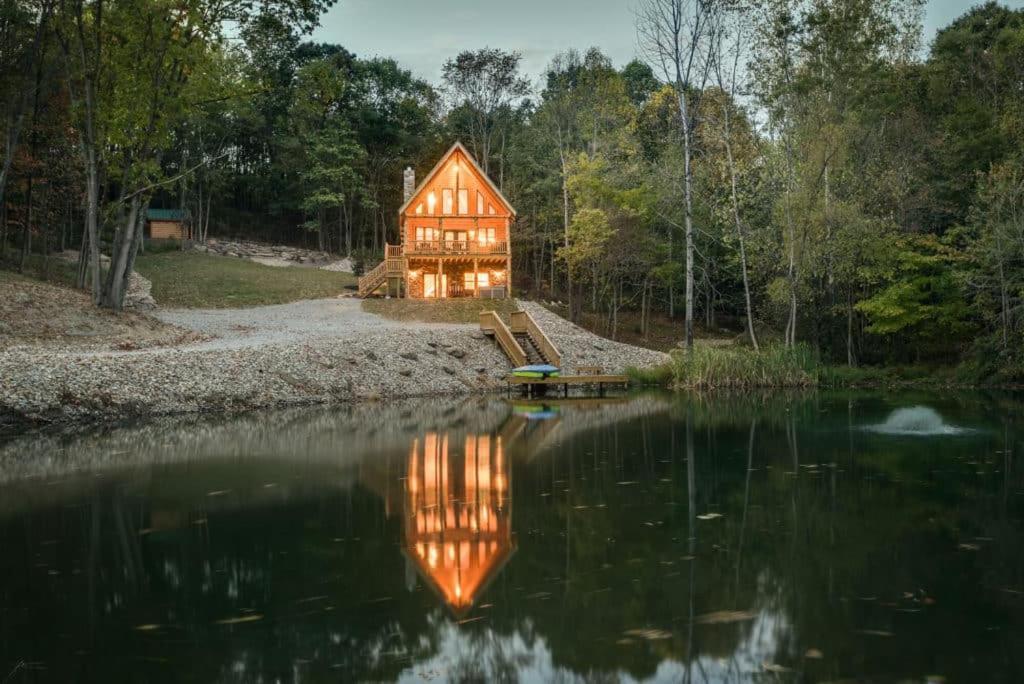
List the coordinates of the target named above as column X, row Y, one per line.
column 621, row 570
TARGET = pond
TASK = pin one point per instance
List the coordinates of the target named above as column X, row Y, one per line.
column 808, row 537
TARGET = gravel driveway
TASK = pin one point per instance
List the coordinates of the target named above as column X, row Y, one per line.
column 296, row 322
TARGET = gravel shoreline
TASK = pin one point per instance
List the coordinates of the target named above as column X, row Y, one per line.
column 363, row 363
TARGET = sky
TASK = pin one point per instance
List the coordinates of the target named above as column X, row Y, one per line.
column 421, row 35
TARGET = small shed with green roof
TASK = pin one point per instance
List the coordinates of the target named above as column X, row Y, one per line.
column 166, row 224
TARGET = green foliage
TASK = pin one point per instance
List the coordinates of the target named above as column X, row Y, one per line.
column 922, row 298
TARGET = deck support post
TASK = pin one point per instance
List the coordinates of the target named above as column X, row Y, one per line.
column 508, row 268
column 476, row 278
column 442, row 291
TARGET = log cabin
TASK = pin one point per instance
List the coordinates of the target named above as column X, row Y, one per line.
column 455, row 236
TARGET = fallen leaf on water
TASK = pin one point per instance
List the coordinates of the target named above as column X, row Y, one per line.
column 628, row 482
column 146, row 628
column 219, row 492
column 709, row 516
column 722, row 617
column 239, row 620
column 624, row 642
column 969, row 547
column 814, row 654
column 774, row 667
column 649, row 634
column 875, row 632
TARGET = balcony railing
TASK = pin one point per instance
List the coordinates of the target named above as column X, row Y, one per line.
column 442, row 247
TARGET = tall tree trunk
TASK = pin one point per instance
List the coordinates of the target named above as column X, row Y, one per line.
column 122, row 256
column 741, row 242
column 850, row 360
column 565, row 228
column 791, row 229
column 3, row 230
column 1004, row 297
column 688, row 199
column 26, row 228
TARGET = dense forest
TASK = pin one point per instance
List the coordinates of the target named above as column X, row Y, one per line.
column 807, row 171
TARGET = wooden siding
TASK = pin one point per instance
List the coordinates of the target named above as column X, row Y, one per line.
column 474, row 231
column 166, row 230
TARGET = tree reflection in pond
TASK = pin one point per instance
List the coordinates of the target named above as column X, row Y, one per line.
column 656, row 538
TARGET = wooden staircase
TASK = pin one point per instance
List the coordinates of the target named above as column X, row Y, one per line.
column 533, row 354
column 393, row 266
column 523, row 342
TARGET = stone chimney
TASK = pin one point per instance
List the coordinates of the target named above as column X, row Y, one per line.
column 408, row 184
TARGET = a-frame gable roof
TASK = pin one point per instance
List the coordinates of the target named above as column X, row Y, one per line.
column 457, row 147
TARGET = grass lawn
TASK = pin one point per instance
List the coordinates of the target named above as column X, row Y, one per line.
column 193, row 280
column 438, row 310
column 52, row 270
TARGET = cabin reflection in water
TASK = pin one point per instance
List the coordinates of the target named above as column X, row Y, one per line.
column 458, row 515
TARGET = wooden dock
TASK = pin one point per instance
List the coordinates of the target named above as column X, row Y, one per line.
column 537, row 385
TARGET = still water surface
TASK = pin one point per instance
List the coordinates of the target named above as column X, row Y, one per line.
column 857, row 537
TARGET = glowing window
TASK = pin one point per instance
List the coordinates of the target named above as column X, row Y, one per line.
column 431, row 202
column 468, row 282
column 490, row 209
column 479, row 202
column 463, row 201
column 419, row 208
column 446, row 201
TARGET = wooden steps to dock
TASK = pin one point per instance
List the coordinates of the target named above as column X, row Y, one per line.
column 526, row 344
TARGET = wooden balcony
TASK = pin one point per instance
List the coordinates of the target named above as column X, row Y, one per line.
column 455, row 247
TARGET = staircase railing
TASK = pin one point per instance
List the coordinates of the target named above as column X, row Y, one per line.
column 369, row 282
column 523, row 322
column 491, row 324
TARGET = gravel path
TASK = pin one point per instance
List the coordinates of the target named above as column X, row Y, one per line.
column 310, row 352
column 294, row 323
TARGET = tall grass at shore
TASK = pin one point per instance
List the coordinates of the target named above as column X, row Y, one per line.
column 712, row 368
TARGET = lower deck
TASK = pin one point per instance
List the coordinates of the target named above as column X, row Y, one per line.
column 445, row 278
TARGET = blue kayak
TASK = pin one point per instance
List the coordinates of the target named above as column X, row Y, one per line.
column 536, row 371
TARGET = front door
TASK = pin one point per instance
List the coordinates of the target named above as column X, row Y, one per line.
column 434, row 287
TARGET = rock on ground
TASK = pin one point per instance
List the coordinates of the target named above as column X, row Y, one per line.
column 271, row 255
column 341, row 266
column 41, row 386
column 140, row 293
